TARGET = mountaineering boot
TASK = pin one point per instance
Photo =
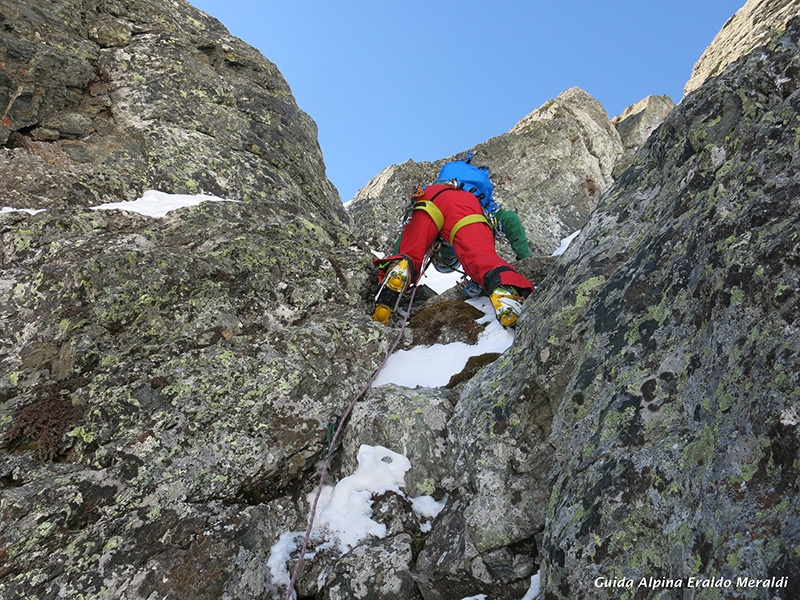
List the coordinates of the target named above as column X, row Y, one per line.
column 507, row 303
column 395, row 283
column 469, row 287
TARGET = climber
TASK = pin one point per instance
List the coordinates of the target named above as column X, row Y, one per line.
column 456, row 209
column 507, row 224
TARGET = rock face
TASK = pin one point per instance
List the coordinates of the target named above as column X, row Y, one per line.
column 103, row 99
column 167, row 383
column 551, row 168
column 635, row 125
column 670, row 346
column 752, row 26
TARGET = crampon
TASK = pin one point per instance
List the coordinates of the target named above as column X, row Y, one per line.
column 394, row 286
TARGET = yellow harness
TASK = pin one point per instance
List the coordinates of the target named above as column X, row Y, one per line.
column 468, row 220
column 438, row 218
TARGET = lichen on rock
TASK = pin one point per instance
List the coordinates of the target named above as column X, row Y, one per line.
column 184, row 369
column 683, row 363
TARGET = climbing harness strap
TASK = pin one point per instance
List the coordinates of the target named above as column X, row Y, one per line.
column 333, row 441
column 429, row 207
column 468, row 220
column 433, row 211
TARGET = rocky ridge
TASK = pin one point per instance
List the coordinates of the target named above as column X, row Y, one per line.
column 167, row 382
column 635, row 125
column 551, row 168
column 752, row 26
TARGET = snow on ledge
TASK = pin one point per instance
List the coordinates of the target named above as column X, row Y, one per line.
column 30, row 211
column 157, row 204
column 152, row 204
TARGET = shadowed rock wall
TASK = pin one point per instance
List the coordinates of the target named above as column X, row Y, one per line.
column 669, row 339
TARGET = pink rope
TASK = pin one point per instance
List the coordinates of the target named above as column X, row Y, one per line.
column 326, row 465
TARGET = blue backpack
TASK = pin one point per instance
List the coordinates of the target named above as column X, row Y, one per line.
column 470, row 178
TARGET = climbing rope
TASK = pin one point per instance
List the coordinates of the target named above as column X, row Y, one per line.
column 333, row 441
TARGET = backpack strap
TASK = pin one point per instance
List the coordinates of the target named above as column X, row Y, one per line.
column 468, row 220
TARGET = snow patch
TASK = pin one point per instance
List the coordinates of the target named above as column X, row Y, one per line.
column 565, row 243
column 789, row 417
column 151, row 204
column 157, row 204
column 344, row 511
column 30, row 211
column 535, row 589
column 442, row 361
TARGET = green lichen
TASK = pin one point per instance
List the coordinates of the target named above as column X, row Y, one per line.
column 616, row 421
column 588, row 449
column 701, row 450
column 81, row 433
column 724, row 399
column 583, row 292
column 427, row 487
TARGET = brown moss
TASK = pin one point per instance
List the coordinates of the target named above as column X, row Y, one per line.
column 44, row 421
column 455, row 315
column 474, row 364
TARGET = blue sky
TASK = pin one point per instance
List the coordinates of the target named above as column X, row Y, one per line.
column 386, row 81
